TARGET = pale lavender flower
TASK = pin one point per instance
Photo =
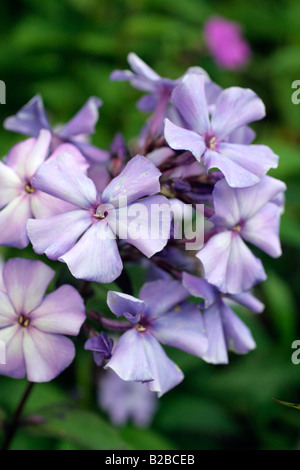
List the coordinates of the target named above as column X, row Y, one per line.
column 32, row 118
column 159, row 91
column 19, row 199
column 226, row 43
column 98, row 218
column 242, row 214
column 160, row 315
column 224, row 329
column 211, row 140
column 32, row 327
column 101, row 346
column 126, row 401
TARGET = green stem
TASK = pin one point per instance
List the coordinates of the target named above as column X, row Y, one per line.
column 13, row 426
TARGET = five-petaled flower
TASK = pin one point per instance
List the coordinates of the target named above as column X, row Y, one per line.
column 31, row 326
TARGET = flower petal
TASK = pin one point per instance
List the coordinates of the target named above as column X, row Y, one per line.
column 199, row 287
column 62, row 179
column 46, row 355
column 145, row 224
column 242, row 165
column 95, row 257
column 57, row 235
column 184, row 139
column 182, row 328
column 217, row 348
column 129, row 360
column 229, row 264
column 139, row 178
column 248, row 300
column 124, row 304
column 61, row 312
column 13, row 220
column 44, row 206
column 12, row 337
column 165, row 372
column 8, row 315
column 161, row 296
column 72, row 150
column 10, row 185
column 30, row 119
column 236, row 107
column 263, row 230
column 26, row 282
column 190, row 99
column 238, row 336
column 141, row 68
column 84, row 121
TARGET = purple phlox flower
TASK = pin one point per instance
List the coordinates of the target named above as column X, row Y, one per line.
column 101, row 346
column 242, row 214
column 242, row 165
column 159, row 91
column 19, row 199
column 121, row 210
column 160, row 315
column 32, row 118
column 224, row 329
column 126, row 401
column 32, row 326
column 225, row 42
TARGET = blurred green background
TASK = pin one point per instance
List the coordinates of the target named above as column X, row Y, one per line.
column 66, row 50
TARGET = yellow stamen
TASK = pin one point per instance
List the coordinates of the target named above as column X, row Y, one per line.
column 140, row 327
column 29, row 189
column 212, row 143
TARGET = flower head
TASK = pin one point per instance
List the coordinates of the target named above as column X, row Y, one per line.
column 99, row 218
column 32, row 118
column 126, row 401
column 210, row 140
column 19, row 198
column 224, row 329
column 249, row 214
column 160, row 315
column 32, row 327
column 225, row 42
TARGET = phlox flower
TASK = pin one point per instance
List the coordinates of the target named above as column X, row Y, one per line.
column 85, row 238
column 160, row 315
column 211, row 141
column 32, row 326
column 125, row 401
column 225, row 331
column 250, row 214
column 19, row 199
column 225, row 42
column 32, row 118
column 159, row 91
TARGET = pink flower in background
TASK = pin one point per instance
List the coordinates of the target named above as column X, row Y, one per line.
column 225, row 42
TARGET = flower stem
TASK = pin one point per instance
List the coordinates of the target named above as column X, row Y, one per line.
column 13, row 426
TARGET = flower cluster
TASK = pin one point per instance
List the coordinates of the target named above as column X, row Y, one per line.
column 97, row 210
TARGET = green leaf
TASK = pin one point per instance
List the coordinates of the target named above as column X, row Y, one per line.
column 286, row 403
column 79, row 427
column 146, row 439
column 281, row 306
